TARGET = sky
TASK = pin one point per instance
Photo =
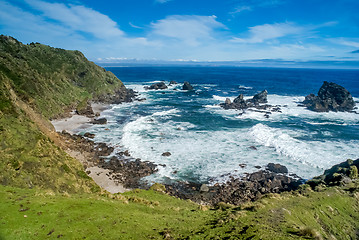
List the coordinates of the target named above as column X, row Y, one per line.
column 189, row 30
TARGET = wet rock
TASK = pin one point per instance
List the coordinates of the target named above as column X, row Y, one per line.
column 166, row 154
column 331, row 97
column 89, row 135
column 241, row 104
column 173, row 82
column 242, row 165
column 99, row 121
column 260, row 97
column 276, row 168
column 187, row 86
column 156, row 86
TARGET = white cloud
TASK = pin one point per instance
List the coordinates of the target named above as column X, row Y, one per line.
column 79, row 18
column 240, row 9
column 262, row 33
column 187, row 28
column 134, row 26
column 346, row 42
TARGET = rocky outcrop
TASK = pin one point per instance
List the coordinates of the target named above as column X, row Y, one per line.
column 157, row 86
column 276, row 168
column 187, row 86
column 240, row 104
column 238, row 190
column 331, row 97
column 340, row 174
column 99, row 121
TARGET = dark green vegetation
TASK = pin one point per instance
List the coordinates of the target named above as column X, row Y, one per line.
column 51, row 79
column 45, row 194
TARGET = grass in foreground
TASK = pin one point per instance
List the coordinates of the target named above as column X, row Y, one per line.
column 331, row 213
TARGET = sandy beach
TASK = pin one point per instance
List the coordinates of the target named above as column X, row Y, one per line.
column 73, row 125
column 76, row 122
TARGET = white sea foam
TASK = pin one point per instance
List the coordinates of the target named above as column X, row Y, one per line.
column 222, row 99
column 304, row 154
column 244, row 87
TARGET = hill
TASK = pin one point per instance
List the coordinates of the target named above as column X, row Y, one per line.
column 46, row 194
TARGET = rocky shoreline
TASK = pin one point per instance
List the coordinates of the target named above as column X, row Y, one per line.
column 121, row 169
column 124, row 170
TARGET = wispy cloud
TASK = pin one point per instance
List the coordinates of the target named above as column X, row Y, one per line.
column 249, row 5
column 188, row 28
column 78, row 18
column 134, row 26
column 261, row 33
column 162, row 1
column 351, row 42
column 240, row 9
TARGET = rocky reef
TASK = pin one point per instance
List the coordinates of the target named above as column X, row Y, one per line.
column 331, row 97
column 239, row 190
column 240, row 104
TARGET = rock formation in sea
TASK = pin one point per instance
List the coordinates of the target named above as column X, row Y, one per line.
column 331, row 97
column 156, row 86
column 187, row 86
column 240, row 103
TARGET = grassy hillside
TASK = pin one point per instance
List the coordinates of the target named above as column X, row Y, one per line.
column 51, row 79
column 45, row 194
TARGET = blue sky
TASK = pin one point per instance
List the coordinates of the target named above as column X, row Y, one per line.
column 208, row 30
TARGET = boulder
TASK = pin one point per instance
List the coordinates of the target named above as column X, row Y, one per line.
column 187, row 86
column 331, row 97
column 173, row 82
column 166, row 154
column 89, row 135
column 99, row 121
column 260, row 97
column 276, row 168
column 156, row 86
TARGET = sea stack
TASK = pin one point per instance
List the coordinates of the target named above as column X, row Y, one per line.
column 331, row 97
column 187, row 86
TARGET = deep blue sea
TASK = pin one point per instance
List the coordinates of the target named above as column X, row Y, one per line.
column 208, row 143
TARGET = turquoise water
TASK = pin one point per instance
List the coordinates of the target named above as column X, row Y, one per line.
column 208, row 143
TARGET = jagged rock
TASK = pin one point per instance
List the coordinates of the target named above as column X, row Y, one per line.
column 173, row 82
column 259, row 98
column 187, row 86
column 89, row 135
column 156, row 86
column 276, row 168
column 241, row 104
column 331, row 97
column 99, row 121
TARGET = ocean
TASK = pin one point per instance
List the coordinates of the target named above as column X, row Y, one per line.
column 208, row 144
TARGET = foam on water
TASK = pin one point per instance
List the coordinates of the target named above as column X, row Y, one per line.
column 179, row 122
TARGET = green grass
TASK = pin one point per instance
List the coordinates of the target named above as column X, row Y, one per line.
column 139, row 214
column 28, row 158
column 52, row 79
column 134, row 215
column 330, row 214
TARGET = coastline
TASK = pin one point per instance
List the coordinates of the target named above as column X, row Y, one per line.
column 76, row 121
column 71, row 125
